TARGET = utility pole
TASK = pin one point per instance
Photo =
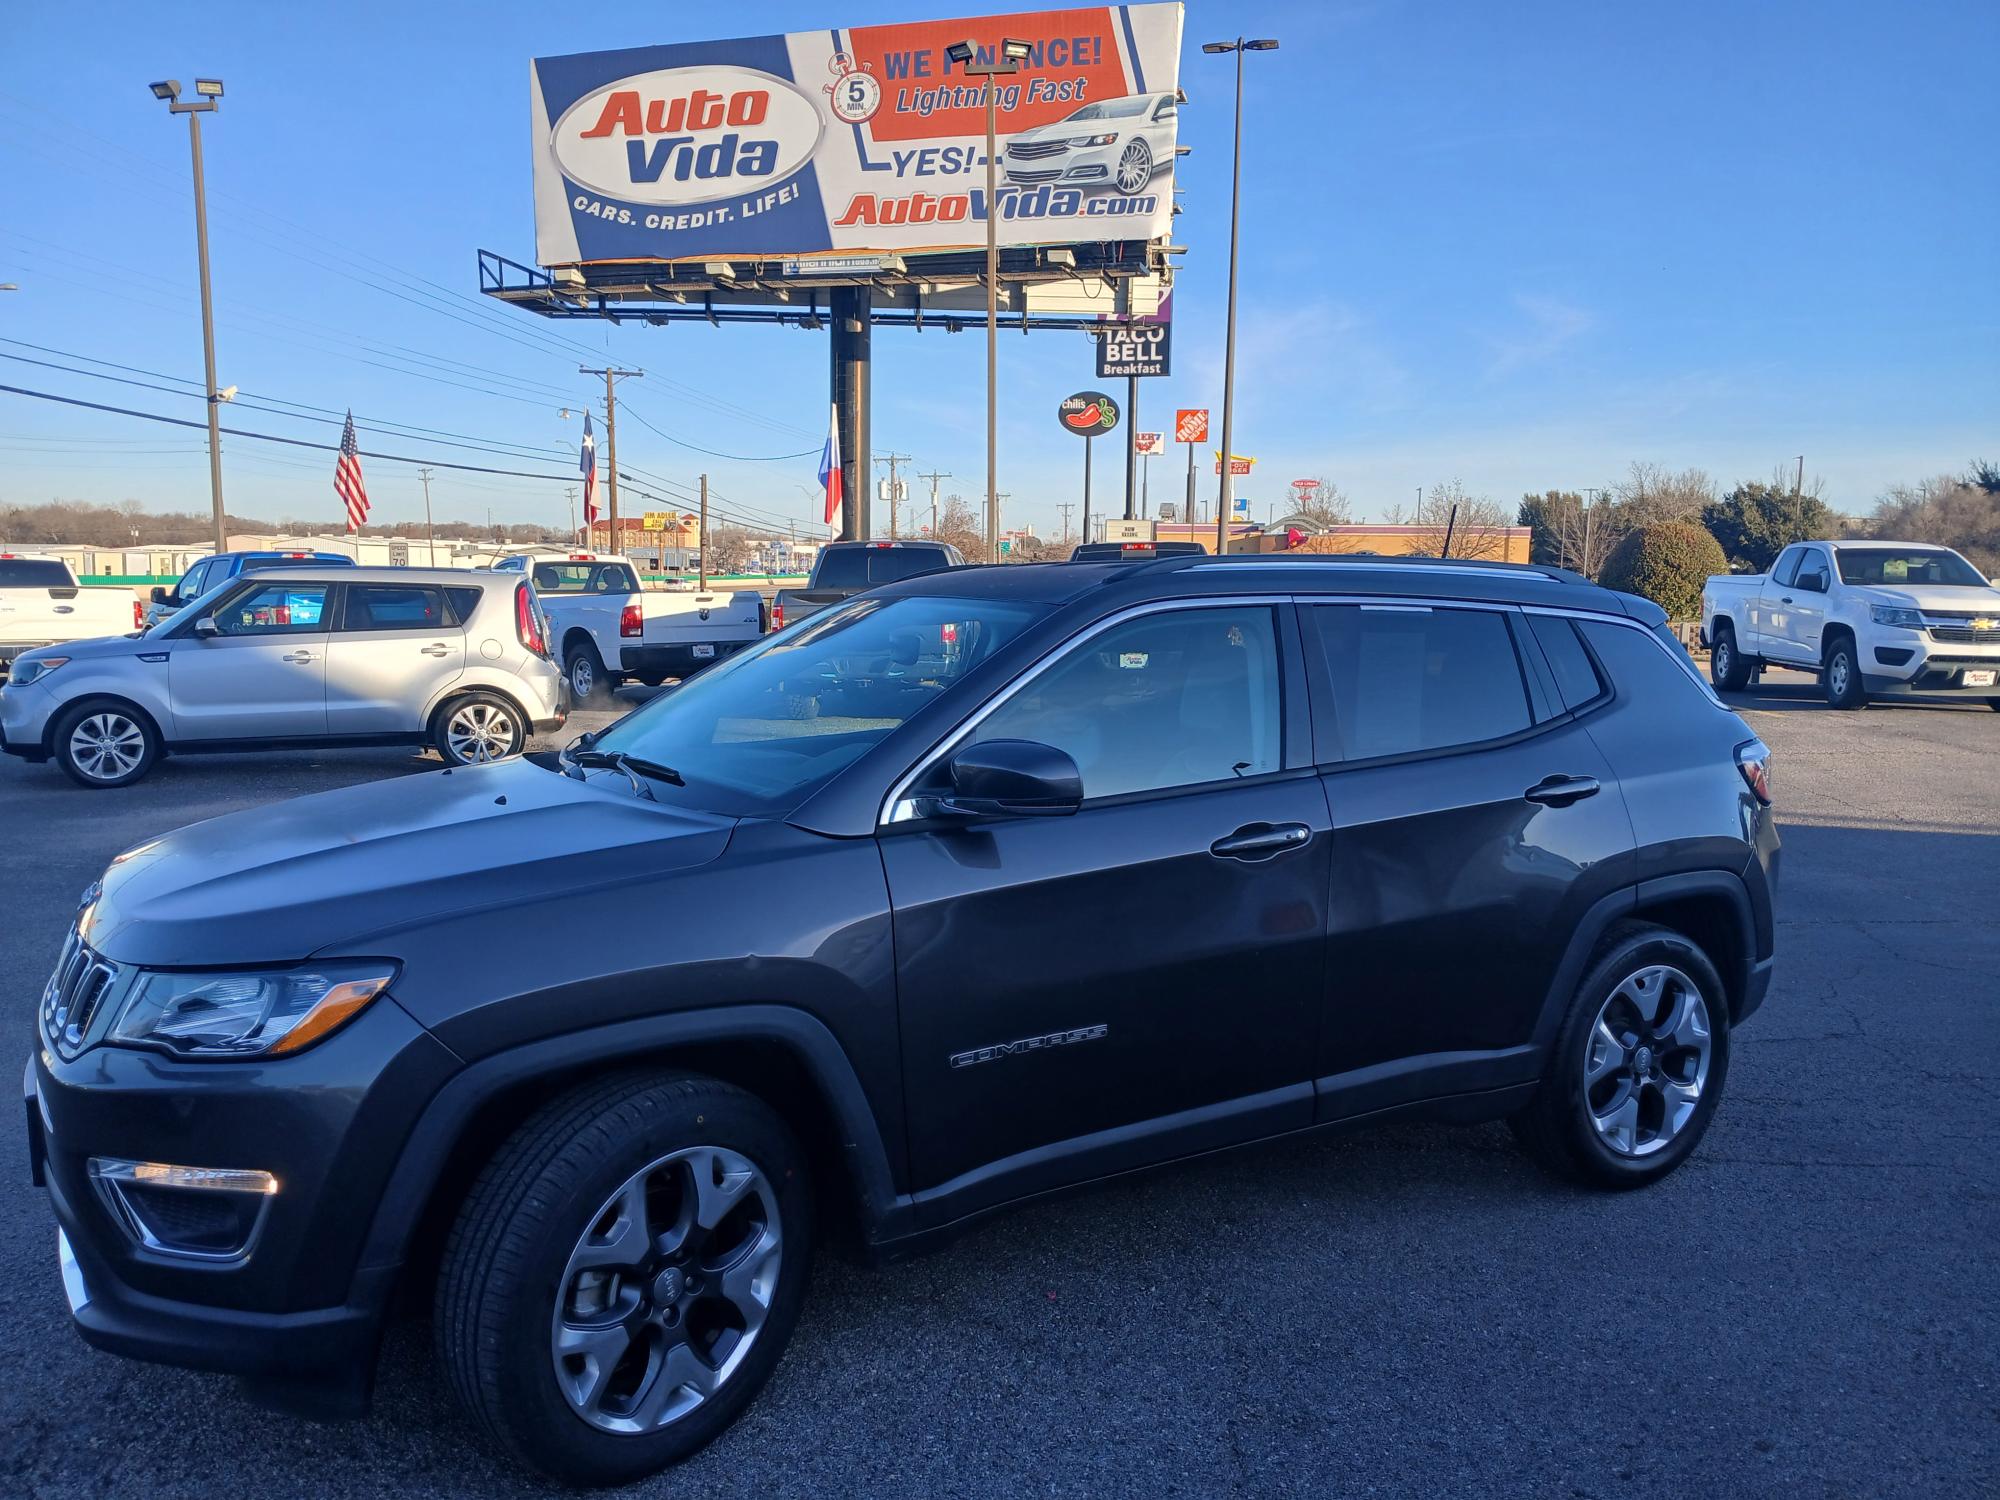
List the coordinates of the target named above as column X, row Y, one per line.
column 892, row 459
column 1065, row 506
column 611, row 377
column 702, row 535
column 570, row 495
column 429, row 529
column 934, row 478
column 1798, row 504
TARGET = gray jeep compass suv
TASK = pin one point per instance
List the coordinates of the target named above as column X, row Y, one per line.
column 921, row 907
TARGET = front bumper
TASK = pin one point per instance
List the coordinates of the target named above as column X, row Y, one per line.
column 681, row 659
column 24, row 719
column 296, row 1313
column 1912, row 663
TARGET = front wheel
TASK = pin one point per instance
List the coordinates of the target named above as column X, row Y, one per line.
column 586, row 674
column 1638, row 1065
column 103, row 745
column 1728, row 667
column 1135, row 167
column 625, row 1274
column 478, row 729
column 1842, row 676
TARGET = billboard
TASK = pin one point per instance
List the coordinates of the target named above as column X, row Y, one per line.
column 858, row 141
column 1135, row 349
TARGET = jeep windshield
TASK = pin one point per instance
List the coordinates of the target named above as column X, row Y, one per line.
column 1932, row 566
column 761, row 731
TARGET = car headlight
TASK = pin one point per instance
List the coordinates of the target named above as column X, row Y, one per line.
column 248, row 1014
column 1109, row 138
column 1890, row 614
column 34, row 669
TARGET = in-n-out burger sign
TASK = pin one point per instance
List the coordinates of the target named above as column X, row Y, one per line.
column 686, row 135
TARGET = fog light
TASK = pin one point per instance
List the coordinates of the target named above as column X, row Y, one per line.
column 203, row 1213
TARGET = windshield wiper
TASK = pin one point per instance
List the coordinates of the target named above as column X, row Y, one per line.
column 633, row 767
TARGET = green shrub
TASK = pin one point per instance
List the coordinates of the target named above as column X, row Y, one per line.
column 1666, row 563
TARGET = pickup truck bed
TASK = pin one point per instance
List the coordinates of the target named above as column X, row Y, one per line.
column 606, row 629
column 848, row 568
column 41, row 604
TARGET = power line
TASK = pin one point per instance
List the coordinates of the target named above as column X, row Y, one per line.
column 742, row 458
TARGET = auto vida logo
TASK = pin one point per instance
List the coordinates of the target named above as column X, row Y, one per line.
column 686, row 135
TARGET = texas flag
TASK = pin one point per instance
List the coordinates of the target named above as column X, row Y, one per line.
column 586, row 465
column 829, row 465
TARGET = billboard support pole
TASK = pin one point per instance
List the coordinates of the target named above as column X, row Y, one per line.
column 1131, row 438
column 701, row 536
column 851, row 308
column 1191, row 518
column 1088, row 444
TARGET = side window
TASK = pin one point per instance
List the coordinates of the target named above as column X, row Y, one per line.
column 1164, row 110
column 1412, row 678
column 1787, row 568
column 274, row 609
column 1575, row 674
column 192, row 582
column 1813, row 574
column 1172, row 699
column 393, row 606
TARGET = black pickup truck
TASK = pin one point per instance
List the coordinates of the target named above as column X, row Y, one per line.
column 846, row 568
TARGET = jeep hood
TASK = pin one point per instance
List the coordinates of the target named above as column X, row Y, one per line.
column 358, row 865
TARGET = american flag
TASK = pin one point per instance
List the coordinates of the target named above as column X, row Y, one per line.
column 829, row 465
column 586, row 464
column 347, row 482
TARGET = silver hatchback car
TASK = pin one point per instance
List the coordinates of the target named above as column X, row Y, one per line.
column 298, row 657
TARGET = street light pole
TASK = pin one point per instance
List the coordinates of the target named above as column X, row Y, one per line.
column 1239, row 47
column 208, row 92
column 1011, row 55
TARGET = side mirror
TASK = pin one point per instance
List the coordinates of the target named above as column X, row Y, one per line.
column 1012, row 779
column 159, row 594
column 206, row 627
column 1815, row 581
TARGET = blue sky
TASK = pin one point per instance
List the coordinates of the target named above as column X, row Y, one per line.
column 1520, row 246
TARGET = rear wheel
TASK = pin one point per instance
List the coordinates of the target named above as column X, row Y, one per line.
column 585, row 670
column 1727, row 667
column 1638, row 1065
column 1841, row 675
column 479, row 728
column 625, row 1274
column 1135, row 167
column 102, row 745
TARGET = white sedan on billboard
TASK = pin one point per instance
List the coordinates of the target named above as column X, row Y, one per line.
column 1114, row 144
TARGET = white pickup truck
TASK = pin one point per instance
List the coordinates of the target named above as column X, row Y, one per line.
column 1873, row 619
column 606, row 629
column 41, row 604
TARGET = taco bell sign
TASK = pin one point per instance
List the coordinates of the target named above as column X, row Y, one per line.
column 1128, row 349
column 858, row 140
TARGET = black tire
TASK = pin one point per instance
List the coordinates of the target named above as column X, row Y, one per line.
column 509, row 1256
column 585, row 670
column 457, row 747
column 104, row 743
column 1994, row 704
column 1840, row 674
column 1728, row 668
column 1556, row 1127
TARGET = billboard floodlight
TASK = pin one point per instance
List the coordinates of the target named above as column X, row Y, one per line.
column 1014, row 49
column 169, row 90
column 208, row 88
column 958, row 52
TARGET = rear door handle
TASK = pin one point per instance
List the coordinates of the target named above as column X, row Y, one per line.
column 1560, row 791
column 433, row 650
column 1254, row 841
column 300, row 656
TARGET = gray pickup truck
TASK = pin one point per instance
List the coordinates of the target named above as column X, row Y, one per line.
column 846, row 568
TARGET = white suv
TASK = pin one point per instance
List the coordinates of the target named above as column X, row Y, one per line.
column 298, row 657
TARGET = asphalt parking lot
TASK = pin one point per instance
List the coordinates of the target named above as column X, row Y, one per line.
column 1807, row 1308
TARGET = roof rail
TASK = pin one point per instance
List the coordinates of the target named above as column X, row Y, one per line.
column 1371, row 560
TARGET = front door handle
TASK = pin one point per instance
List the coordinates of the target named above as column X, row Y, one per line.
column 299, row 656
column 1786, row 600
column 1561, row 791
column 433, row 650
column 1255, row 841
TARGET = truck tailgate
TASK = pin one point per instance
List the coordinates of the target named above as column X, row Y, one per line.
column 680, row 619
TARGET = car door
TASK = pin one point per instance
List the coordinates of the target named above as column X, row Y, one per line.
column 397, row 647
column 1774, row 607
column 1086, row 993
column 1805, row 602
column 1474, row 822
column 262, row 673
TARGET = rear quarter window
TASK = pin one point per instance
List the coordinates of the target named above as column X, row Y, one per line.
column 1575, row 673
column 1643, row 666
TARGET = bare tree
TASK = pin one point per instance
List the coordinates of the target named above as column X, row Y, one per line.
column 729, row 549
column 959, row 527
column 1652, row 493
column 1953, row 510
column 1323, row 506
column 1571, row 530
column 1476, row 526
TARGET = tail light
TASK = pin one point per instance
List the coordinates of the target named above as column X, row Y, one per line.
column 138, row 615
column 631, row 620
column 777, row 614
column 527, row 624
column 1753, row 759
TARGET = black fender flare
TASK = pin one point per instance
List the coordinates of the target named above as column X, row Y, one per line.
column 425, row 1154
column 1610, row 908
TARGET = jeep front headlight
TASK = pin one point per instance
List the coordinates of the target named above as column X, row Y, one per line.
column 247, row 1013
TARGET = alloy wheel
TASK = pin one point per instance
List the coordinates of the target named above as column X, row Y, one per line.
column 667, row 1290
column 1646, row 1060
column 1135, row 167
column 481, row 732
column 106, row 746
